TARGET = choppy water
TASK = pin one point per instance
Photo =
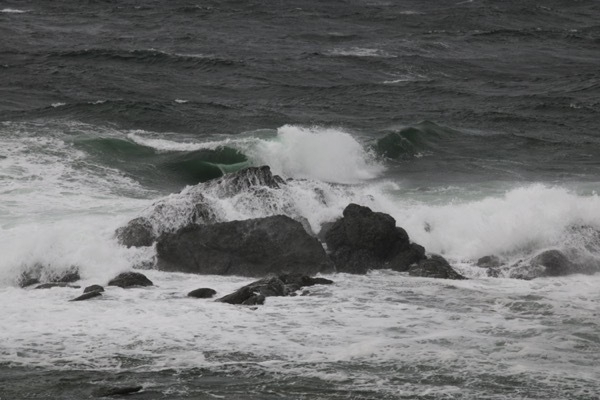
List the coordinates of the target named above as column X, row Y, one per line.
column 475, row 124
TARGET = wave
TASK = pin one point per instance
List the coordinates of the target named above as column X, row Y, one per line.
column 149, row 56
column 324, row 154
column 12, row 11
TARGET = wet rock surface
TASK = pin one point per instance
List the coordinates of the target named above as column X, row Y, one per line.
column 254, row 247
column 130, row 279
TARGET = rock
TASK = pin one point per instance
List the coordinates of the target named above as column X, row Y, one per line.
column 93, row 288
column 40, row 273
column 364, row 240
column 247, row 178
column 489, row 262
column 282, row 285
column 129, row 279
column 116, row 391
column 435, row 267
column 404, row 260
column 50, row 285
column 254, row 247
column 137, row 233
column 202, row 293
column 88, row 295
column 555, row 263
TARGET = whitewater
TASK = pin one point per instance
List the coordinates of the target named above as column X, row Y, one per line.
column 382, row 335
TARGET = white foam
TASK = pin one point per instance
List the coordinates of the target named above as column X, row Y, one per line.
column 361, row 52
column 181, row 101
column 56, row 105
column 329, row 155
column 522, row 220
column 12, row 11
column 140, row 137
column 367, row 325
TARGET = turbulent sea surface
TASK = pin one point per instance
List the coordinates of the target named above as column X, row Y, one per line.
column 475, row 124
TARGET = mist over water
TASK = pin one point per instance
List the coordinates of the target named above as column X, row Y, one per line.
column 473, row 124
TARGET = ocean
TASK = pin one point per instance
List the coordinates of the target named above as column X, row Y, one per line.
column 475, row 124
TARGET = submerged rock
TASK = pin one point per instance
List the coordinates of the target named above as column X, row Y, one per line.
column 129, row 279
column 254, row 247
column 50, row 285
column 435, row 267
column 282, row 285
column 550, row 263
column 202, row 293
column 116, row 391
column 43, row 274
column 88, row 295
column 364, row 240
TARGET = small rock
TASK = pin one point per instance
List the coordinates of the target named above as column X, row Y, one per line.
column 129, row 279
column 435, row 267
column 202, row 293
column 116, row 391
column 50, row 285
column 93, row 288
column 88, row 295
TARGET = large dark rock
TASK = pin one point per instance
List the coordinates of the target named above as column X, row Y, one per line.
column 254, row 247
column 138, row 232
column 282, row 285
column 435, row 267
column 129, row 279
column 364, row 240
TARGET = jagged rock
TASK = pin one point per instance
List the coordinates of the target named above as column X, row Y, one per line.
column 202, row 293
column 254, row 247
column 129, row 279
column 489, row 262
column 116, row 391
column 93, row 288
column 50, row 285
column 137, row 233
column 191, row 206
column 283, row 285
column 88, row 295
column 242, row 180
column 364, row 240
column 435, row 267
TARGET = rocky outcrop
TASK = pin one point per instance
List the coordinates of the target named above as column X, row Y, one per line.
column 364, row 240
column 489, row 262
column 130, row 279
column 202, row 293
column 282, row 285
column 434, row 267
column 191, row 206
column 254, row 247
